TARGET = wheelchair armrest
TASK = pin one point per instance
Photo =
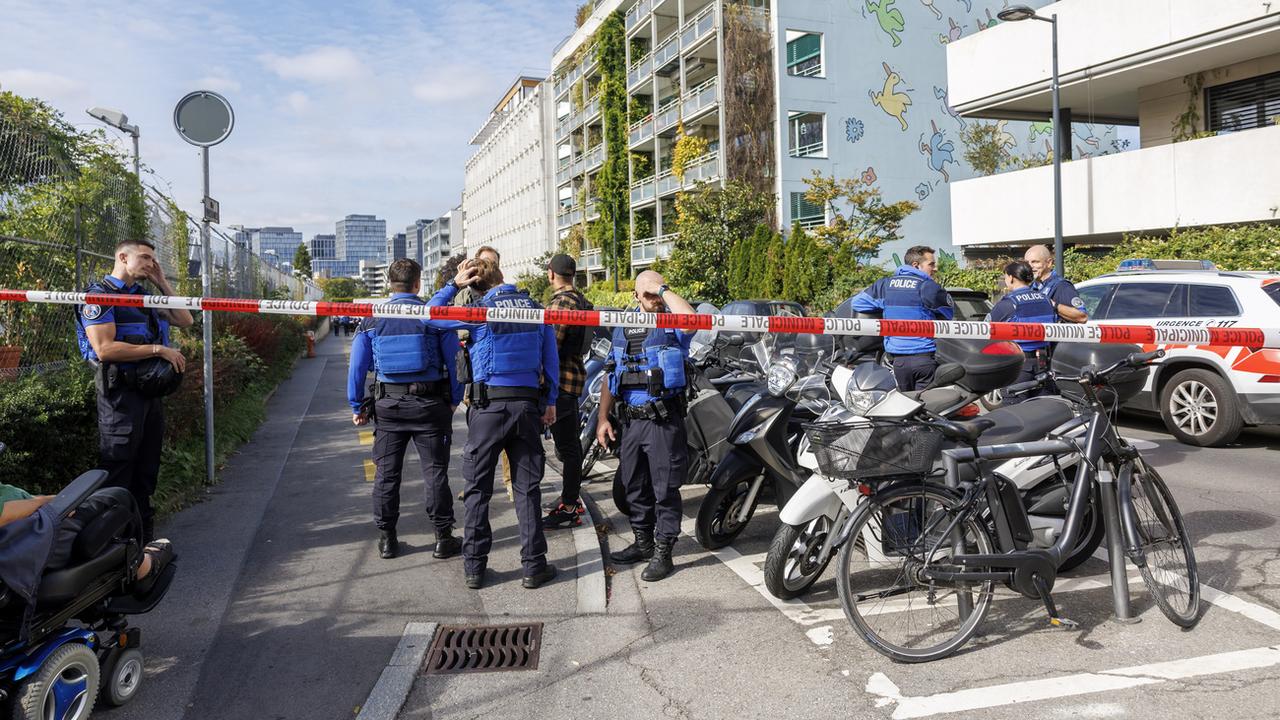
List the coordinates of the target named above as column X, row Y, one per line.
column 75, row 493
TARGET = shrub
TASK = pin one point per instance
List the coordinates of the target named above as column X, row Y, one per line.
column 50, row 424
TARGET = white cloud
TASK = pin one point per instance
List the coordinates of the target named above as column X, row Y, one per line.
column 322, row 65
column 218, row 83
column 38, row 83
column 298, row 101
column 452, row 82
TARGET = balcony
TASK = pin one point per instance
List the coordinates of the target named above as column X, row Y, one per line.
column 563, row 175
column 645, row 252
column 593, row 211
column 640, row 71
column 638, row 13
column 668, row 115
column 590, row 112
column 818, row 149
column 700, row 99
column 667, row 51
column 641, row 131
column 699, row 28
column 809, row 223
column 595, row 157
column 563, row 220
column 642, row 191
column 564, row 126
column 591, row 260
column 1197, row 182
column 704, row 169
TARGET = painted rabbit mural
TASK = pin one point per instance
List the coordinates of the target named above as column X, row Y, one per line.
column 889, row 99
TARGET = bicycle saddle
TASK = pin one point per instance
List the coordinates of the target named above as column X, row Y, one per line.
column 968, row 431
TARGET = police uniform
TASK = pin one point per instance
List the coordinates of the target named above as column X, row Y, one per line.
column 130, row 424
column 646, row 371
column 1059, row 291
column 413, row 395
column 908, row 294
column 1027, row 305
column 514, row 373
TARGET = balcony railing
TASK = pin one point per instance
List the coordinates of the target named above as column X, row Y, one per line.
column 562, row 176
column 668, row 115
column 697, row 28
column 642, row 191
column 578, row 166
column 645, row 252
column 809, row 223
column 818, row 149
column 641, row 131
column 591, row 259
column 593, row 211
column 638, row 12
column 640, row 71
column 667, row 183
column 700, row 98
column 704, row 169
column 595, row 157
column 666, row 51
column 592, row 110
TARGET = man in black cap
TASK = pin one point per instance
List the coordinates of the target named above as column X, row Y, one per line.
column 570, row 344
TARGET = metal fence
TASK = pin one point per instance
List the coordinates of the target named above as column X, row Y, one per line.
column 62, row 213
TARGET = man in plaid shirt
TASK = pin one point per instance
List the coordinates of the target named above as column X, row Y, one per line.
column 568, row 511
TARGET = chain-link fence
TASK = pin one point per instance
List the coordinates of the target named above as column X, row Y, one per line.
column 66, row 200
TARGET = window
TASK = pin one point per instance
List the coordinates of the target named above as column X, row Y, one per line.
column 1272, row 289
column 807, row 134
column 1142, row 300
column 1095, row 300
column 1213, row 301
column 1244, row 105
column 804, row 54
column 806, row 213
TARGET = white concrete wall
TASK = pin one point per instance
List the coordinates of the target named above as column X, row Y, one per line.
column 1160, row 104
column 1090, row 32
column 1212, row 181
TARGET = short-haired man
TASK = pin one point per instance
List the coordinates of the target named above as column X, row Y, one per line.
column 515, row 374
column 910, row 294
column 414, row 399
column 1067, row 302
column 117, row 340
column 570, row 339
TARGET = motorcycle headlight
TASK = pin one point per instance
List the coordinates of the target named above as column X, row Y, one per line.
column 782, row 376
column 860, row 401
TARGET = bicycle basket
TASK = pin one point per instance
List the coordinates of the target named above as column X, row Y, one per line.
column 873, row 448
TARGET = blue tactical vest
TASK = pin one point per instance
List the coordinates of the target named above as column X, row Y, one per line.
column 904, row 300
column 134, row 325
column 661, row 350
column 501, row 348
column 1030, row 306
column 407, row 350
column 1049, row 286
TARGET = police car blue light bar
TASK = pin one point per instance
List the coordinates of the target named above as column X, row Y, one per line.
column 1138, row 264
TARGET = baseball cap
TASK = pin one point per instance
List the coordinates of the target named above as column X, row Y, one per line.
column 563, row 265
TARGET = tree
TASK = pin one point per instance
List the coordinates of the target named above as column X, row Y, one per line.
column 801, row 275
column 535, row 281
column 612, row 182
column 986, row 147
column 302, row 261
column 860, row 221
column 709, row 221
column 757, row 278
column 774, row 266
column 739, row 268
column 342, row 289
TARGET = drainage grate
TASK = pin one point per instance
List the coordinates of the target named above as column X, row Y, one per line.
column 484, row 648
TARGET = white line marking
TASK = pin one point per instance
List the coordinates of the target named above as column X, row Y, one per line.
column 592, row 595
column 1068, row 685
column 393, row 686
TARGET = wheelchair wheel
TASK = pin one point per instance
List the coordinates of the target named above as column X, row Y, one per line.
column 65, row 686
column 121, row 677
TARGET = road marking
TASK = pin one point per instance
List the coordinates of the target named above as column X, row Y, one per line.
column 396, row 680
column 369, row 470
column 1067, row 685
column 366, row 437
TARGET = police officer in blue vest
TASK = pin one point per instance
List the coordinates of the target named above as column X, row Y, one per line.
column 1066, row 300
column 414, row 399
column 1023, row 304
column 515, row 374
column 647, row 378
column 910, row 294
column 127, row 345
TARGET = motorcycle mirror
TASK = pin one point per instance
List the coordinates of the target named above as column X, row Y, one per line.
column 948, row 374
column 734, row 339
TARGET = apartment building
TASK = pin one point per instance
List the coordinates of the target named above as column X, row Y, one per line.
column 442, row 237
column 414, row 236
column 771, row 92
column 1200, row 80
column 397, row 246
column 374, row 276
column 507, row 187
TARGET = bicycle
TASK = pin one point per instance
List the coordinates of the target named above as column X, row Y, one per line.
column 921, row 573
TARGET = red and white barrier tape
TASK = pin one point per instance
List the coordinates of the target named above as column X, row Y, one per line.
column 955, row 329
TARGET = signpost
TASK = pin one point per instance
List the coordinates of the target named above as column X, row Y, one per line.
column 204, row 119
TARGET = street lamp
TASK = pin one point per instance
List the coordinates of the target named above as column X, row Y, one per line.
column 1018, row 13
column 119, row 121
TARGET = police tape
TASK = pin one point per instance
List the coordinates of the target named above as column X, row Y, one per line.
column 1254, row 338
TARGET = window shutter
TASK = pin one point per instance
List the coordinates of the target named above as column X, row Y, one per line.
column 804, row 48
column 1245, row 104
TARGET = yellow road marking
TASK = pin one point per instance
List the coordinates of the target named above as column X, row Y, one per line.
column 368, row 471
column 366, row 437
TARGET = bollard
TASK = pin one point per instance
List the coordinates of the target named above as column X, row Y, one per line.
column 311, row 343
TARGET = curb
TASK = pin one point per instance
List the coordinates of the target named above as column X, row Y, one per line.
column 593, row 589
column 396, row 680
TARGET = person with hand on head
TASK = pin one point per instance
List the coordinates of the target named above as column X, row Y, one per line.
column 646, row 378
column 910, row 294
column 135, row 368
column 1024, row 304
column 1067, row 303
column 414, row 399
column 570, row 339
column 515, row 376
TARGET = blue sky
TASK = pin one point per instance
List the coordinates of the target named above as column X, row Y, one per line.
column 351, row 107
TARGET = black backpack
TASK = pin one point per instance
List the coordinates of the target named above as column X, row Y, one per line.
column 584, row 334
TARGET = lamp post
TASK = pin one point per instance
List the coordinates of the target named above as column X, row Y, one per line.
column 119, row 121
column 1018, row 13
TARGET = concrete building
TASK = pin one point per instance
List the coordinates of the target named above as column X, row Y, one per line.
column 776, row 91
column 508, row 181
column 396, row 247
column 322, row 247
column 414, row 237
column 361, row 237
column 374, row 277
column 282, row 242
column 442, row 238
column 1179, row 69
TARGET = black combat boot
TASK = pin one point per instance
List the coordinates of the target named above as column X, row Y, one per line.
column 641, row 549
column 388, row 544
column 446, row 544
column 660, row 566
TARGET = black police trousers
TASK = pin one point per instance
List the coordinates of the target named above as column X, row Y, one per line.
column 513, row 426
column 565, row 431
column 654, row 456
column 428, row 424
column 914, row 372
column 1033, row 364
column 130, row 434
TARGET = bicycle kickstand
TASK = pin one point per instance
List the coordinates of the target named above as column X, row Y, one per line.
column 1055, row 620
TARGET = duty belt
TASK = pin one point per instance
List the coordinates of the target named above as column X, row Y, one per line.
column 654, row 410
column 503, row 392
column 434, row 388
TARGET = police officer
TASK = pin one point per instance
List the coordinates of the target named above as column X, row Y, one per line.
column 514, row 374
column 119, row 342
column 910, row 294
column 414, row 399
column 646, row 373
column 1023, row 304
column 1066, row 301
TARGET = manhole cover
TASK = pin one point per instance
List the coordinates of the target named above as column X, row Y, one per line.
column 484, row 648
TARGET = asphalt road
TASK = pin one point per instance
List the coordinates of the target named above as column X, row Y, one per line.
column 282, row 608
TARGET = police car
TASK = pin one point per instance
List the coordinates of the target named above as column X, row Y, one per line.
column 1204, row 393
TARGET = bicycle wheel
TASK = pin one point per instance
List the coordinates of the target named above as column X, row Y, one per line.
column 900, row 614
column 1170, row 568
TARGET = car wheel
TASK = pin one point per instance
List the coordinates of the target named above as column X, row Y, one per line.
column 1200, row 408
